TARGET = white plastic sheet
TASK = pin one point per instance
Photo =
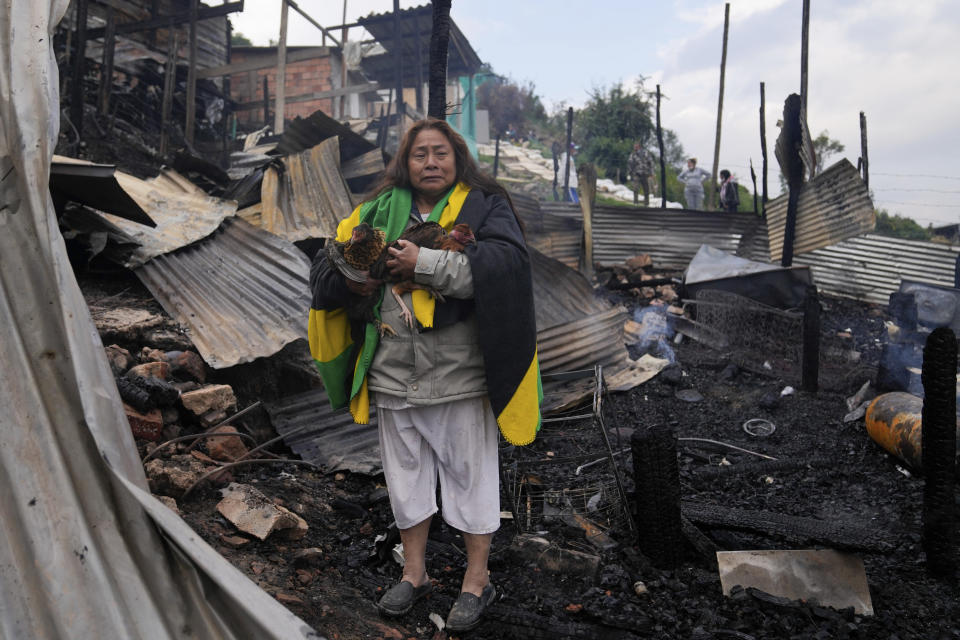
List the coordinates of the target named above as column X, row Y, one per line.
column 86, row 551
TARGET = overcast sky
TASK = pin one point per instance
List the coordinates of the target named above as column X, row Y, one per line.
column 895, row 61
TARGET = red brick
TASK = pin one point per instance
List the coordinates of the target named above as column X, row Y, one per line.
column 146, row 426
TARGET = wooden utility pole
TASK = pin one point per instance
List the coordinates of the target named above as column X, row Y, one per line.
column 863, row 150
column 344, row 80
column 566, row 165
column 169, row 87
column 804, row 54
column 763, row 143
column 192, row 75
column 663, row 162
column 716, row 147
column 106, row 69
column 439, row 42
column 80, row 56
column 281, row 82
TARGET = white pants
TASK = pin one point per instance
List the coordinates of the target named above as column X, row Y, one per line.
column 456, row 439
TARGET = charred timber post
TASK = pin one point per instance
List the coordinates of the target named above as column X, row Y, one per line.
column 753, row 178
column 763, row 143
column 716, row 147
column 804, row 54
column 956, row 273
column 496, row 156
column 588, row 193
column 344, row 73
column 810, row 369
column 280, row 107
column 106, row 70
column 788, row 153
column 663, row 163
column 169, row 86
column 657, row 477
column 398, row 68
column 439, row 42
column 192, row 75
column 863, row 150
column 266, row 102
column 79, row 58
column 567, row 150
column 938, row 451
column 419, row 93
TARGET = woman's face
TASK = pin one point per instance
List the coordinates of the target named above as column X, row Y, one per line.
column 432, row 165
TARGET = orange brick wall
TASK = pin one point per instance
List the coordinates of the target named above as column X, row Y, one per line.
column 303, row 77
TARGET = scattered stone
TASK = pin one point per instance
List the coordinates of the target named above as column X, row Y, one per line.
column 252, row 512
column 689, row 395
column 227, row 448
column 149, row 354
column 167, row 340
column 186, row 386
column 672, row 374
column 234, row 542
column 641, row 261
column 210, row 398
column 173, row 476
column 339, row 477
column 159, row 370
column 126, row 325
column 169, row 502
column 668, row 293
column 311, row 557
column 119, row 358
column 187, row 364
column 305, row 577
column 648, row 292
column 288, row 599
column 146, row 426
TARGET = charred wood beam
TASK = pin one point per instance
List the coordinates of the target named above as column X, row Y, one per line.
column 205, row 13
column 835, row 533
column 938, row 450
column 268, row 62
column 439, row 45
column 657, row 479
column 763, row 142
column 326, row 32
column 663, row 162
column 169, row 86
column 191, row 105
column 76, row 86
column 788, row 150
column 106, row 70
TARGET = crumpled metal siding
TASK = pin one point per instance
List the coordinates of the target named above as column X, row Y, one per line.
column 242, row 293
column 309, row 198
column 832, row 207
column 561, row 294
column 184, row 213
column 558, row 235
column 870, row 267
column 328, row 438
column 670, row 236
column 87, row 552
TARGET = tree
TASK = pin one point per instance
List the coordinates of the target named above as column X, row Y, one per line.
column 240, row 40
column 612, row 121
column 898, row 226
column 510, row 104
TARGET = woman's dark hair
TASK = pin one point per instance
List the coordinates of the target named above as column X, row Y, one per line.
column 724, row 174
column 468, row 172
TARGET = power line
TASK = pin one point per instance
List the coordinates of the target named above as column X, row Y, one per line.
column 914, row 175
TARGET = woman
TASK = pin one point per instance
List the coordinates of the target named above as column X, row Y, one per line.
column 692, row 178
column 442, row 388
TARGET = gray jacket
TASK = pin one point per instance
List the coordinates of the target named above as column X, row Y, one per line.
column 693, row 178
column 436, row 365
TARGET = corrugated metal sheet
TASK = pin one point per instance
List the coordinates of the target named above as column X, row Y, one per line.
column 870, row 267
column 561, row 294
column 670, row 236
column 94, row 185
column 325, row 437
column 309, row 198
column 557, row 236
column 832, row 207
column 182, row 211
column 306, row 133
column 242, row 293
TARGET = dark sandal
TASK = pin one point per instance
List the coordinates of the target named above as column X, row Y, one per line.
column 468, row 609
column 399, row 598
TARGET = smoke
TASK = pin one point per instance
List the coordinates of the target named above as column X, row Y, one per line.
column 654, row 333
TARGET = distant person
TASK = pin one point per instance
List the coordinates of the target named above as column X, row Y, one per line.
column 639, row 170
column 555, row 151
column 729, row 192
column 692, row 178
column 571, row 193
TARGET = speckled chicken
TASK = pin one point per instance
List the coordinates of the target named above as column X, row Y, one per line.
column 365, row 254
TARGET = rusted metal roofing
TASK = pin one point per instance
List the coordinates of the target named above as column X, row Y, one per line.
column 309, row 197
column 557, row 236
column 870, row 267
column 832, row 207
column 242, row 293
column 182, row 211
column 306, row 133
column 561, row 294
column 330, row 439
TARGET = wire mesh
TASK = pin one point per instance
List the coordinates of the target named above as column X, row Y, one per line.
column 568, row 478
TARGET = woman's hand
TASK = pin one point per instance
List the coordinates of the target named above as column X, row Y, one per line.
column 363, row 288
column 403, row 261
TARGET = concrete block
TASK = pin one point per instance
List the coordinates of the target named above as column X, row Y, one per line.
column 255, row 514
column 214, row 397
column 159, row 370
column 227, row 448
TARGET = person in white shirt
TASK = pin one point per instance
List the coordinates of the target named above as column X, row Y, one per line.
column 571, row 194
column 692, row 178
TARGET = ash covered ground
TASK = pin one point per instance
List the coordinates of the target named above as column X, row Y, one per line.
column 840, row 475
